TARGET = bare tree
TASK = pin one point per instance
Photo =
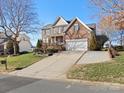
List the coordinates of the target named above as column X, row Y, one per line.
column 16, row 16
column 113, row 10
column 120, row 26
column 106, row 27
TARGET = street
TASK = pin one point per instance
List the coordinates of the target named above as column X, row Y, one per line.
column 14, row 84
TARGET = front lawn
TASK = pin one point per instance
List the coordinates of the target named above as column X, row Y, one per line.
column 106, row 72
column 20, row 62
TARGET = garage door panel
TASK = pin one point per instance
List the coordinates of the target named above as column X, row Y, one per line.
column 76, row 45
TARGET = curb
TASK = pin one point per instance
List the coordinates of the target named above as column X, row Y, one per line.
column 84, row 82
column 91, row 83
column 117, row 85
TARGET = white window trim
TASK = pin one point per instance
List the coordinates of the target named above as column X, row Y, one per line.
column 75, row 27
column 61, row 29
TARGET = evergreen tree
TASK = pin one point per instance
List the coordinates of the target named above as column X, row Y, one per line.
column 39, row 43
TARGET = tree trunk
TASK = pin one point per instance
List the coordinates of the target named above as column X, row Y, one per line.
column 110, row 45
column 15, row 47
column 121, row 41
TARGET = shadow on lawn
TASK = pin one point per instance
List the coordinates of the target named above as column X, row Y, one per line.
column 19, row 68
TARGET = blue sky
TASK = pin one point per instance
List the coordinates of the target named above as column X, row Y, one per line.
column 48, row 10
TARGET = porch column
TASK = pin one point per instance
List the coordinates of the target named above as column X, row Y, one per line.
column 55, row 40
column 51, row 40
column 63, row 39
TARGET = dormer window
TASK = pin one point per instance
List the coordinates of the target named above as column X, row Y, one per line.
column 76, row 27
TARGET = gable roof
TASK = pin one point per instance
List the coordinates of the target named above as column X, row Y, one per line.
column 23, row 35
column 58, row 18
column 89, row 29
column 3, row 38
column 2, row 41
column 68, row 21
column 48, row 26
column 92, row 26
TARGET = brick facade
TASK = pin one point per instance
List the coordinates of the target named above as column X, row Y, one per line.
column 79, row 34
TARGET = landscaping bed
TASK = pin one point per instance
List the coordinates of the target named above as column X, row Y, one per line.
column 105, row 72
column 19, row 62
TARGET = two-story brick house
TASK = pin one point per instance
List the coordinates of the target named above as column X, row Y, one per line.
column 54, row 33
column 74, row 35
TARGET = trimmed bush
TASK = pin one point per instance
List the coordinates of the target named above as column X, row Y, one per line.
column 55, row 48
column 52, row 49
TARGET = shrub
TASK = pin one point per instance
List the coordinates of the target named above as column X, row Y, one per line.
column 112, row 52
column 119, row 48
column 24, row 52
column 38, row 50
column 55, row 48
column 101, row 39
column 52, row 49
column 63, row 48
column 92, row 42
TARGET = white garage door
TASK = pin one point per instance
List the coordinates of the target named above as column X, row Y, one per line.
column 77, row 45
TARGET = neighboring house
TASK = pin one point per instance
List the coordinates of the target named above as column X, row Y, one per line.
column 24, row 43
column 3, row 39
column 74, row 35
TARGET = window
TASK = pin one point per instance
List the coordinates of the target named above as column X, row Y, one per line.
column 64, row 28
column 23, row 39
column 48, row 32
column 56, row 30
column 44, row 32
column 76, row 27
column 61, row 29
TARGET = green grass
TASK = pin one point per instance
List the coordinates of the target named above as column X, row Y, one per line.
column 106, row 72
column 18, row 62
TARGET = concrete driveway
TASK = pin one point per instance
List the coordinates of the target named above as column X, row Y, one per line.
column 94, row 57
column 51, row 67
